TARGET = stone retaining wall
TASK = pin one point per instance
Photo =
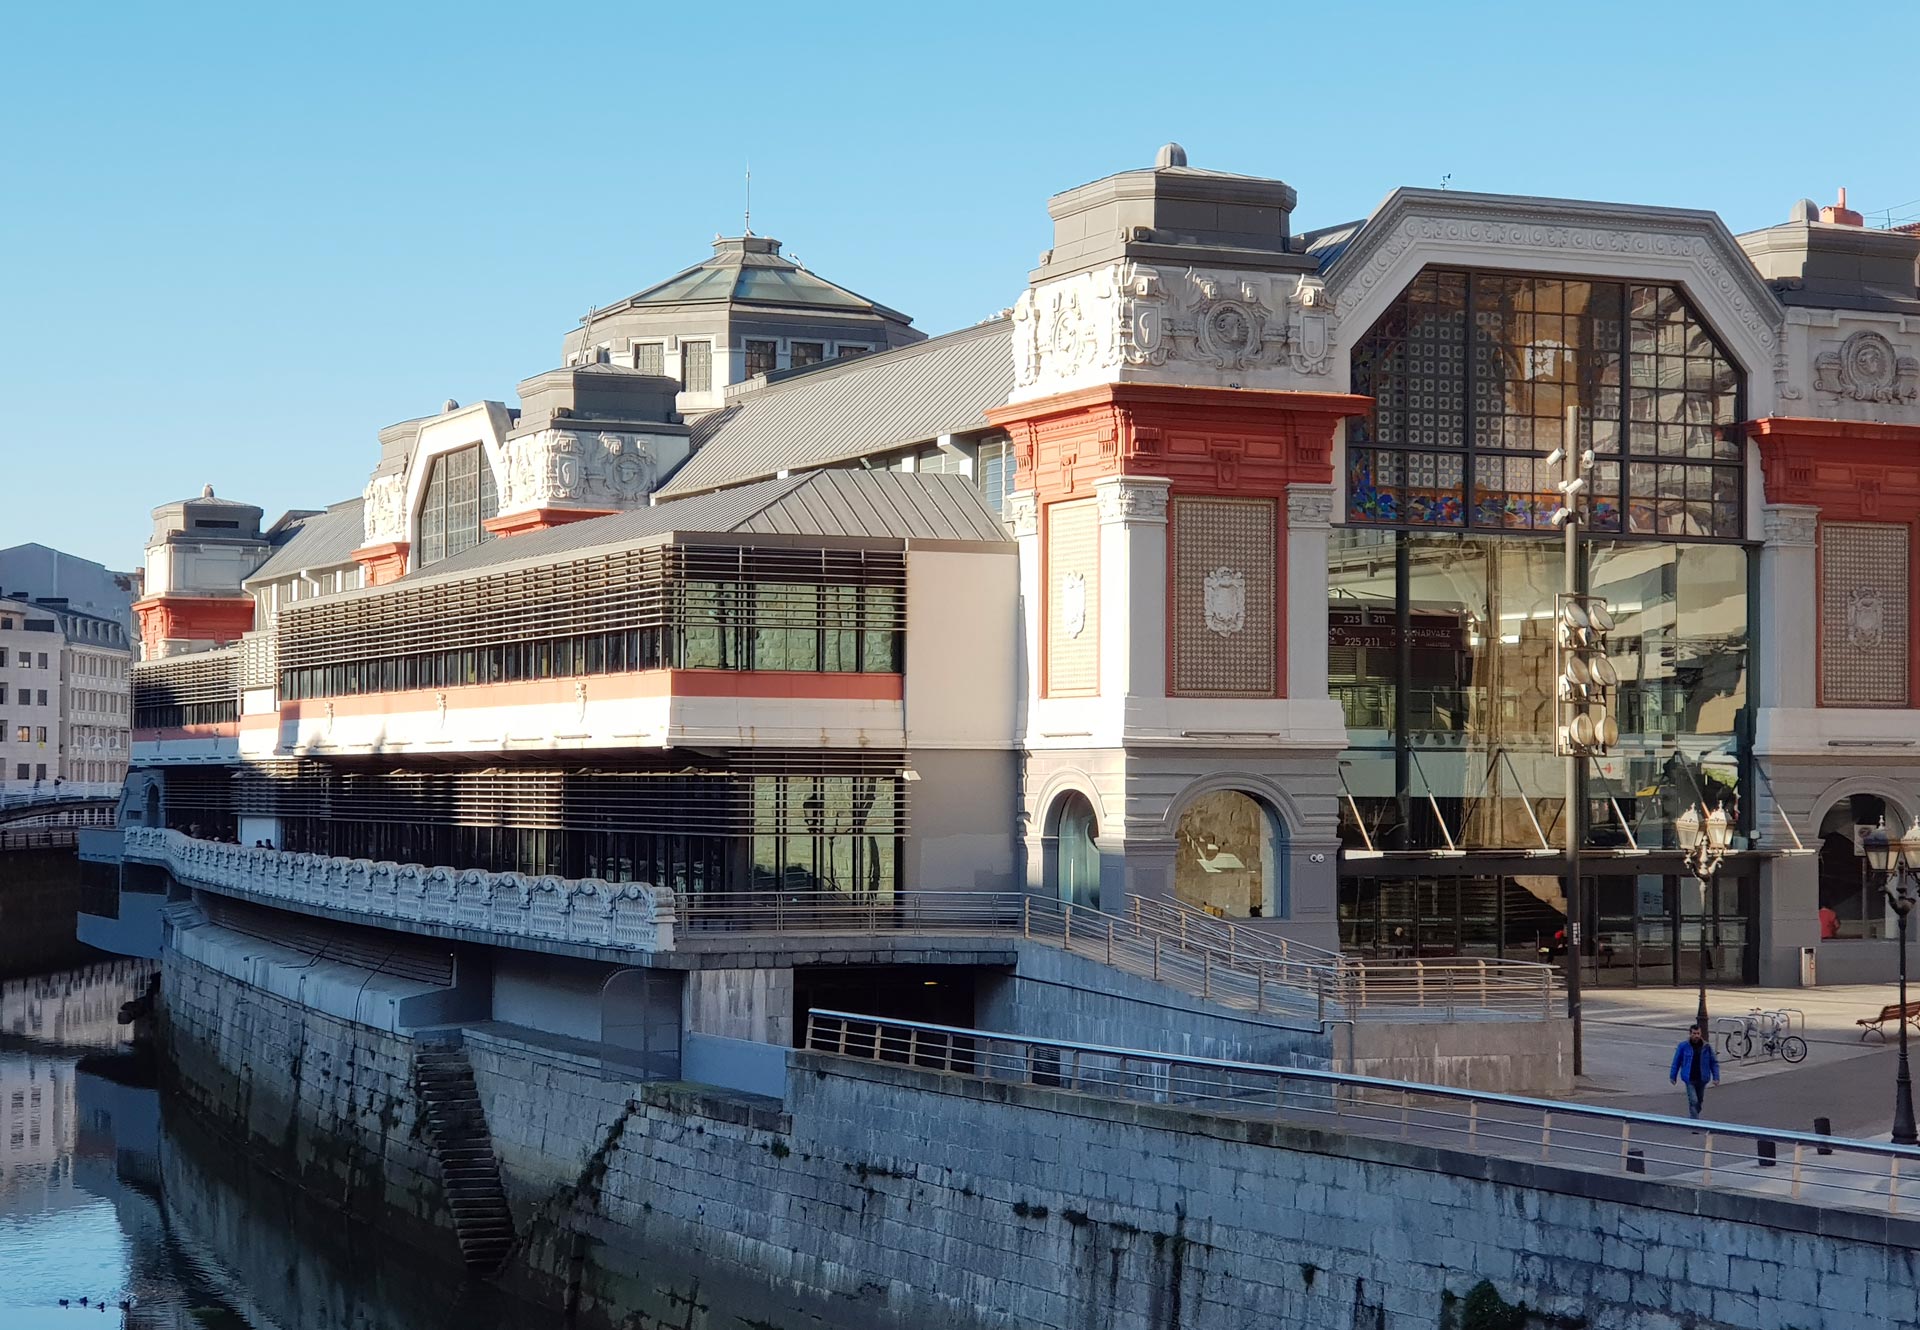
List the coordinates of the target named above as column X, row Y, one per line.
column 880, row 1197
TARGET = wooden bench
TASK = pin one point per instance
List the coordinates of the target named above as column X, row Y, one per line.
column 1892, row 1012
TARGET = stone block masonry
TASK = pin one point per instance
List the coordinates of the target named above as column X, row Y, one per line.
column 885, row 1197
column 325, row 1101
column 877, row 1197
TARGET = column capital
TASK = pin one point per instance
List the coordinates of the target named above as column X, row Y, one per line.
column 1310, row 503
column 1141, row 500
column 1023, row 513
column 1790, row 524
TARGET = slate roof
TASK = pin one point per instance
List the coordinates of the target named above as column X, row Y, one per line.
column 845, row 410
column 874, row 504
column 322, row 540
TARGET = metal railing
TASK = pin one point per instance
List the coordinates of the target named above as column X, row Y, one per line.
column 68, row 792
column 1799, row 1166
column 39, row 838
column 1200, row 955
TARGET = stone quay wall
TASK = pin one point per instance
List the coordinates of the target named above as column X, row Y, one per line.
column 877, row 1197
column 326, row 1102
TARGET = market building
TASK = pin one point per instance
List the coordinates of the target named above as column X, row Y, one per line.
column 1218, row 572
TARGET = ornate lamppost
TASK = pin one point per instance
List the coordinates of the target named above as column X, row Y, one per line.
column 1703, row 855
column 1898, row 863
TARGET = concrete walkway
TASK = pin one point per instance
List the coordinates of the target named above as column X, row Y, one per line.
column 1630, row 1036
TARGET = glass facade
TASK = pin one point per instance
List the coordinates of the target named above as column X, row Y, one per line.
column 1450, row 715
column 1643, row 928
column 1472, row 373
column 1442, row 590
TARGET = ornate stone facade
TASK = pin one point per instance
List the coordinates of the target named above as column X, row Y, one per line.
column 600, row 469
column 1130, row 322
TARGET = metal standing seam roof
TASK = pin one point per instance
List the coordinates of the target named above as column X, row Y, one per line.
column 324, row 540
column 874, row 504
column 944, row 385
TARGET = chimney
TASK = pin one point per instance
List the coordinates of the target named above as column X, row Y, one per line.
column 1840, row 214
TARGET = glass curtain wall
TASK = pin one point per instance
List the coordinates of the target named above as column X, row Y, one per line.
column 1448, row 688
column 1442, row 592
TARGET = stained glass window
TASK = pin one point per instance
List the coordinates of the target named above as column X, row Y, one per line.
column 1471, row 375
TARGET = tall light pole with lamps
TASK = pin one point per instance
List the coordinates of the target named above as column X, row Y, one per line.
column 1703, row 855
column 1898, row 863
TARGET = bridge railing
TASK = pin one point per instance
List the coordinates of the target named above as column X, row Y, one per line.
column 1800, row 1166
column 69, row 792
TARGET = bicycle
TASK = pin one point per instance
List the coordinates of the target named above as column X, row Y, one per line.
column 1776, row 1036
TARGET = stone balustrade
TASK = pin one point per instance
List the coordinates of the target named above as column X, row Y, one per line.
column 631, row 916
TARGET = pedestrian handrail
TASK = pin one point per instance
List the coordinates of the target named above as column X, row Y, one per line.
column 1799, row 1166
column 1223, row 935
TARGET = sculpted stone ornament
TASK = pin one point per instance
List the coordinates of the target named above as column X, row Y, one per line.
column 1866, row 618
column 1132, row 316
column 1224, row 601
column 1867, row 368
column 384, row 509
column 1023, row 513
column 565, row 466
column 1132, row 502
column 1073, row 604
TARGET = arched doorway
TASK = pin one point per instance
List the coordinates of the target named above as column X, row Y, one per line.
column 1229, row 859
column 1851, row 903
column 1074, row 864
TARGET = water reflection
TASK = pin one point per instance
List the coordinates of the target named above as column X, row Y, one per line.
column 136, row 1217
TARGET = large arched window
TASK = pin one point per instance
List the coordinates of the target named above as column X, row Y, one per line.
column 460, row 497
column 1075, row 866
column 1229, row 860
column 1471, row 375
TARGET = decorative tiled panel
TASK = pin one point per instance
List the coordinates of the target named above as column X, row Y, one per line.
column 1223, row 597
column 1863, row 614
column 1073, row 599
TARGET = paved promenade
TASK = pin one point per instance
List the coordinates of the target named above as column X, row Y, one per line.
column 1630, row 1035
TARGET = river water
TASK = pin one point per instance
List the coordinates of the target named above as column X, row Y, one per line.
column 119, row 1210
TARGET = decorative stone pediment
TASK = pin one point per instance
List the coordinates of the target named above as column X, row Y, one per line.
column 1867, row 367
column 1133, row 323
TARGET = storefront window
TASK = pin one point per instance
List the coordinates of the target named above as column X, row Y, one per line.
column 1228, row 862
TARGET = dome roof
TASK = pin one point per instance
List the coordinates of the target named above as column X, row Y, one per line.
column 750, row 270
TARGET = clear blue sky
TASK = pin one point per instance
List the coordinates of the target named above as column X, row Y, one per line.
column 239, row 240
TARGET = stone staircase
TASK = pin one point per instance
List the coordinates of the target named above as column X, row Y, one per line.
column 469, row 1173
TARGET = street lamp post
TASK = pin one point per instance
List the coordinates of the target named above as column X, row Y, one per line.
column 1703, row 855
column 1898, row 863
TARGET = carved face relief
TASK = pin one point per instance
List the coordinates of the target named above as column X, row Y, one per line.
column 1073, row 604
column 1224, row 601
column 1230, row 333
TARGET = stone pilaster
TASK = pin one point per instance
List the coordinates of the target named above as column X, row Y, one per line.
column 1310, row 509
column 1133, row 586
column 1788, row 617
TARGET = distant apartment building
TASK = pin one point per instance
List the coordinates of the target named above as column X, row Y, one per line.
column 65, row 698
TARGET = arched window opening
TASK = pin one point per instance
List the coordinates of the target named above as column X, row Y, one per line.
column 1230, row 861
column 1851, row 902
column 460, row 497
column 1076, row 859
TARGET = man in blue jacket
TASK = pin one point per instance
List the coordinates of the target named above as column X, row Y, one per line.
column 1695, row 1064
